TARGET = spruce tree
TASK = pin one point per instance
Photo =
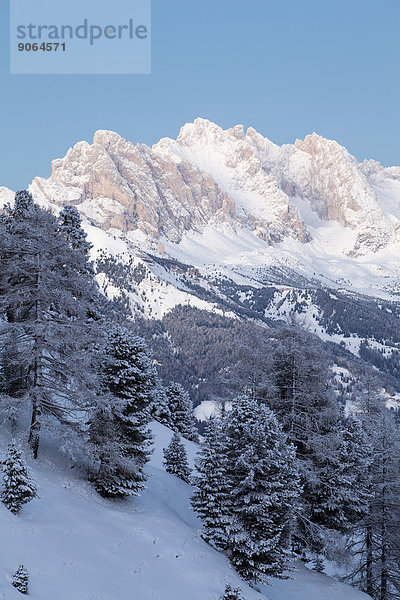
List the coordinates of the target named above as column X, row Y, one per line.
column 262, row 472
column 18, row 488
column 231, row 593
column 70, row 225
column 175, row 459
column 211, row 498
column 247, row 490
column 160, row 410
column 20, row 579
column 119, row 435
column 181, row 409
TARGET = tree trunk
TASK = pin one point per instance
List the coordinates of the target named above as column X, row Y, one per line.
column 34, row 433
column 384, row 516
column 369, row 560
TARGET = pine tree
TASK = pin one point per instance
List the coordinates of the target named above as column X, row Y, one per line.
column 18, row 486
column 119, row 436
column 247, row 489
column 181, row 410
column 262, row 472
column 211, row 497
column 46, row 293
column 70, row 225
column 113, row 475
column 20, row 579
column 160, row 410
column 231, row 593
column 318, row 564
column 310, row 417
column 175, row 459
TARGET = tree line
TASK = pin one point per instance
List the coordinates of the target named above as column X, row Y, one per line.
column 283, row 470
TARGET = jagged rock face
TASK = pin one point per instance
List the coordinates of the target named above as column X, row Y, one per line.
column 338, row 190
column 337, row 187
column 317, row 170
column 237, row 178
column 118, row 185
column 235, row 165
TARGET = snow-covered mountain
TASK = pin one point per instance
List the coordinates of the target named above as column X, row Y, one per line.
column 79, row 546
column 236, row 199
column 230, row 222
column 208, row 176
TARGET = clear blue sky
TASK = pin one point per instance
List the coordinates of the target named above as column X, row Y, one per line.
column 285, row 67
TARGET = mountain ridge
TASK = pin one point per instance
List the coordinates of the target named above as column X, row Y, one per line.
column 211, row 176
column 228, row 221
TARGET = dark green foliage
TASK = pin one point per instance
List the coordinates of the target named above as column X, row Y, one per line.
column 387, row 363
column 205, row 345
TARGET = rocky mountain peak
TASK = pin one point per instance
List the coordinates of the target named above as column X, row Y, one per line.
column 232, row 177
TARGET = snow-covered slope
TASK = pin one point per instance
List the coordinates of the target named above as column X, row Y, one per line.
column 234, row 198
column 213, row 209
column 78, row 546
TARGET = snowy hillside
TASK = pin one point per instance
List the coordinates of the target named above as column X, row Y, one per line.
column 228, row 222
column 78, row 545
column 233, row 204
column 234, row 200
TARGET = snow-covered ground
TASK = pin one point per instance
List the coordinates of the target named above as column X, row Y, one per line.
column 78, row 546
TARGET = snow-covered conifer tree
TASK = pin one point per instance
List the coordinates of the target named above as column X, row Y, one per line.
column 45, row 297
column 20, row 579
column 175, row 459
column 18, row 487
column 310, row 416
column 119, row 434
column 247, row 489
column 70, row 225
column 262, row 471
column 374, row 544
column 231, row 593
column 160, row 410
column 338, row 497
column 181, row 410
column 211, row 497
column 352, row 474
